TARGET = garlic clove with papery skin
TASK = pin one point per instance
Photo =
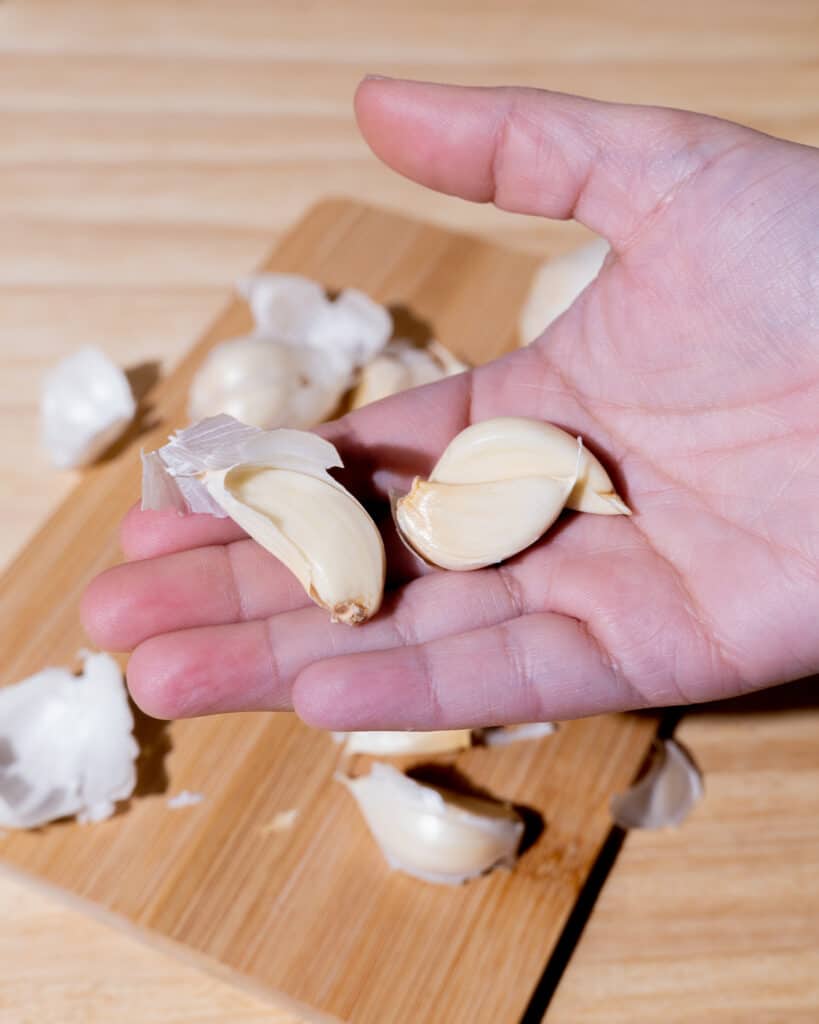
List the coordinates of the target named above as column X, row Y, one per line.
column 510, row 447
column 435, row 834
column 556, row 284
column 275, row 485
column 65, row 745
column 399, row 744
column 86, row 405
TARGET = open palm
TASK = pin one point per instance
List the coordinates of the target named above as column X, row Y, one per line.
column 691, row 366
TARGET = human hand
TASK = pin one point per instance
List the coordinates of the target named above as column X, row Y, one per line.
column 691, row 366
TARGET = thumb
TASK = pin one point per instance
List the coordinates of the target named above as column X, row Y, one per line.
column 610, row 166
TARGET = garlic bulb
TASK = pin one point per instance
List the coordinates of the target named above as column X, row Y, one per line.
column 665, row 795
column 397, row 744
column 401, row 366
column 86, row 404
column 435, row 834
column 303, row 354
column 508, row 448
column 557, row 284
column 275, row 485
column 65, row 745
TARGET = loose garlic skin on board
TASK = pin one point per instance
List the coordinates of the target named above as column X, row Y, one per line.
column 435, row 834
column 275, row 485
column 303, row 355
column 509, row 447
column 557, row 284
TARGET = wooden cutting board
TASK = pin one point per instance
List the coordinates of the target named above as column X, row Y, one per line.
column 310, row 914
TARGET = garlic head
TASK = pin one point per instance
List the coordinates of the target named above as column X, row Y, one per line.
column 86, row 404
column 433, row 833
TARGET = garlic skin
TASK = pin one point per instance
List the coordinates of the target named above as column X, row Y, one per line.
column 65, row 745
column 435, row 834
column 556, row 285
column 510, row 447
column 303, row 355
column 86, row 404
column 275, row 485
column 399, row 744
column 402, row 366
column 665, row 795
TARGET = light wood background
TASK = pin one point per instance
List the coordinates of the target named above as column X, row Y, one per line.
column 150, row 151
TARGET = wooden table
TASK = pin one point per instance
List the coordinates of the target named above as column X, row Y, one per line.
column 150, row 151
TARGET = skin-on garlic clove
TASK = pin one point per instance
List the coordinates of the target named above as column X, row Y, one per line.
column 65, row 745
column 557, row 284
column 401, row 366
column 275, row 485
column 665, row 795
column 86, row 405
column 435, row 834
column 397, row 744
column 510, row 447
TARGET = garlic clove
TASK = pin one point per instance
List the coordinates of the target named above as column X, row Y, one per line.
column 506, row 735
column 509, row 447
column 557, row 284
column 315, row 527
column 354, row 324
column 86, row 404
column 470, row 526
column 65, row 745
column 397, row 744
column 275, row 485
column 435, row 834
column 284, row 306
column 401, row 366
column 665, row 795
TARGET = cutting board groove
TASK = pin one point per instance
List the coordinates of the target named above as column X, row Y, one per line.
column 312, row 913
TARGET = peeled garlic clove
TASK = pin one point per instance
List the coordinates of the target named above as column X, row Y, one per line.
column 665, row 795
column 557, row 284
column 65, row 745
column 401, row 366
column 268, row 383
column 397, row 744
column 435, row 834
column 470, row 526
column 315, row 527
column 86, row 404
column 275, row 485
column 509, row 447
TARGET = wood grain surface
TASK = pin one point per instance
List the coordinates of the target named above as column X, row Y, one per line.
column 314, row 912
column 150, row 152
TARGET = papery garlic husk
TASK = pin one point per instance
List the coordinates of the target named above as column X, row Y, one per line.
column 303, row 355
column 86, row 405
column 511, row 447
column 275, row 485
column 398, row 744
column 435, row 834
column 402, row 366
column 556, row 284
column 665, row 795
column 65, row 745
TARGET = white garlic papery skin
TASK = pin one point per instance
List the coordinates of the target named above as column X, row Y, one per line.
column 402, row 366
column 398, row 744
column 435, row 834
column 557, row 284
column 275, row 485
column 86, row 404
column 65, row 745
column 665, row 795
column 302, row 356
column 511, row 447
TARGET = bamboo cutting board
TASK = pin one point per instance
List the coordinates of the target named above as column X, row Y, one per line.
column 310, row 913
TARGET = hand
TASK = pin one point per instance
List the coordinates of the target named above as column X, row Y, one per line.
column 691, row 366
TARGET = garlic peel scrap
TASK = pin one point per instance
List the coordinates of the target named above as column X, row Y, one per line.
column 665, row 795
column 435, row 834
column 275, row 485
column 86, row 404
column 65, row 745
column 509, row 447
column 396, row 744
